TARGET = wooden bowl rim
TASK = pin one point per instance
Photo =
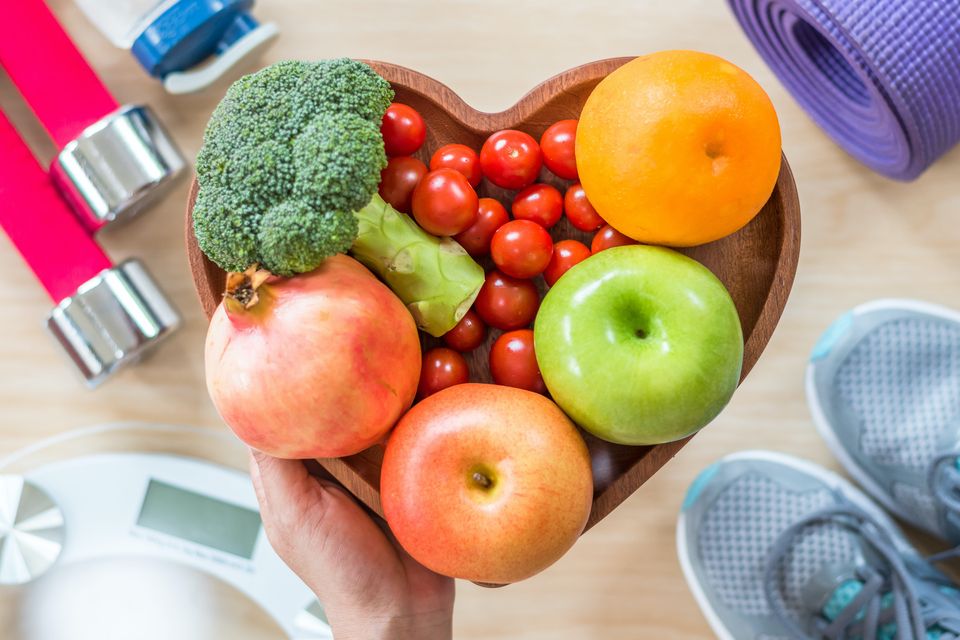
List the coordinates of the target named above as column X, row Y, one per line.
column 481, row 122
column 449, row 100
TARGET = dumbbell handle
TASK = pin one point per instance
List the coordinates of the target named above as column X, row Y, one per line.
column 57, row 82
column 44, row 230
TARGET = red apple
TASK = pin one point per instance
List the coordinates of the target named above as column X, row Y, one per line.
column 319, row 365
column 486, row 483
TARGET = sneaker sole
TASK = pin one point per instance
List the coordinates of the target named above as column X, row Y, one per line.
column 826, row 476
column 829, row 435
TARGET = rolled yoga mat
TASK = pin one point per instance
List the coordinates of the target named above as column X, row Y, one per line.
column 882, row 77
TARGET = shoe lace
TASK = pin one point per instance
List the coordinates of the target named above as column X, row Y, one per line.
column 889, row 593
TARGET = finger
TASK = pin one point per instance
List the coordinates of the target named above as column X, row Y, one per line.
column 322, row 533
column 255, row 479
column 287, row 494
column 281, row 482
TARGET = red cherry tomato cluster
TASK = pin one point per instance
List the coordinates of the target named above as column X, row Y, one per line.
column 398, row 180
column 403, row 130
column 511, row 159
column 580, row 212
column 458, row 157
column 557, row 145
column 566, row 254
column 513, row 362
column 443, row 199
column 491, row 215
column 507, row 303
column 444, row 203
column 468, row 334
column 539, row 203
column 441, row 368
column 609, row 237
column 521, row 248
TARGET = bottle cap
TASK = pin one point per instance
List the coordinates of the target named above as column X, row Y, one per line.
column 190, row 31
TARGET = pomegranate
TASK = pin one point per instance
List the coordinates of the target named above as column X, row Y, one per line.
column 319, row 365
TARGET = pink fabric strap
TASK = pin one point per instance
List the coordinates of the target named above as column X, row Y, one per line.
column 62, row 89
column 47, row 234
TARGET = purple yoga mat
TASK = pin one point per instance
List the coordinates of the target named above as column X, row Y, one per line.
column 882, row 77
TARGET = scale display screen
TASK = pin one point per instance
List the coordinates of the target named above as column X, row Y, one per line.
column 200, row 519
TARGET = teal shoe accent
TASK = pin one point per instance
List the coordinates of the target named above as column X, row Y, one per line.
column 847, row 591
column 830, row 337
column 699, row 483
column 843, row 596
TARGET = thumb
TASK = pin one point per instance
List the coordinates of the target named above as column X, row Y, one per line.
column 277, row 482
column 287, row 493
column 321, row 532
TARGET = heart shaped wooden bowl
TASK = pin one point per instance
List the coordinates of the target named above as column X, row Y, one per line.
column 757, row 264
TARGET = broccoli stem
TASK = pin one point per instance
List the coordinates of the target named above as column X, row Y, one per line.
column 435, row 277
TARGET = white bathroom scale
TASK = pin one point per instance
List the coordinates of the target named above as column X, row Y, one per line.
column 142, row 531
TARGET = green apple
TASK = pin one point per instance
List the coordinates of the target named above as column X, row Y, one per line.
column 639, row 345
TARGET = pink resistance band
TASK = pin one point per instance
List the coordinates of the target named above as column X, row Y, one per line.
column 49, row 237
column 58, row 84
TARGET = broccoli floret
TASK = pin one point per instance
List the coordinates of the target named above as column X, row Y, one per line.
column 288, row 155
column 288, row 233
column 334, row 156
column 345, row 85
column 226, row 228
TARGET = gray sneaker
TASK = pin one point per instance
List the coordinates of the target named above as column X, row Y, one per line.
column 883, row 385
column 777, row 548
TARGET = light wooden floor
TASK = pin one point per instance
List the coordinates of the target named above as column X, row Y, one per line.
column 864, row 237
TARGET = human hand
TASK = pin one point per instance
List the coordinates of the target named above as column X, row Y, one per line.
column 369, row 587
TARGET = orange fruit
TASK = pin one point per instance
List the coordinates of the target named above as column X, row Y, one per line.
column 678, row 148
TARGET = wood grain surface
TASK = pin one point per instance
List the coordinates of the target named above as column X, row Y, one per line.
column 863, row 237
column 757, row 264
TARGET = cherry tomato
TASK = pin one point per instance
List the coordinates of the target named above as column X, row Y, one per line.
column 510, row 159
column 403, row 130
column 468, row 334
column 513, row 362
column 609, row 237
column 557, row 145
column 521, row 248
column 507, row 303
column 399, row 179
column 580, row 212
column 444, row 203
column 458, row 157
column 566, row 254
column 539, row 203
column 491, row 215
column 441, row 368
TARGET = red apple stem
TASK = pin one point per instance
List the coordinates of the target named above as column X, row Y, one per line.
column 481, row 480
